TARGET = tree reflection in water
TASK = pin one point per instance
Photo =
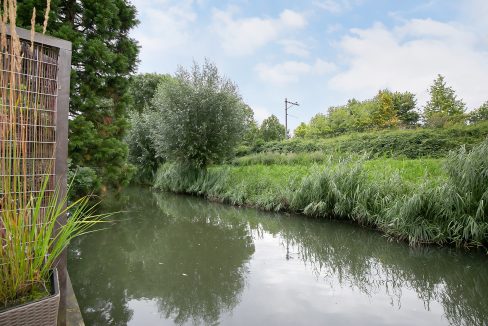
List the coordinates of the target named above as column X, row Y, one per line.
column 190, row 257
column 193, row 265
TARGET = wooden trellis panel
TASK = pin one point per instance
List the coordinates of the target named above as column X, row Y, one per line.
column 40, row 94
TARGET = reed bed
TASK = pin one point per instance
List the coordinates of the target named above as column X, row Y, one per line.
column 445, row 202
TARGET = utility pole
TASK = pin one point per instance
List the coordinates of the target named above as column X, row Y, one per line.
column 286, row 114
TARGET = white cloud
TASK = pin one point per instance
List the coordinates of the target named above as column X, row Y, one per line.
column 408, row 57
column 474, row 13
column 260, row 112
column 329, row 5
column 336, row 6
column 322, row 67
column 291, row 71
column 244, row 36
column 295, row 47
column 292, row 19
column 166, row 28
column 333, row 28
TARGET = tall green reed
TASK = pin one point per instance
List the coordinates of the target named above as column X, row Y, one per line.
column 452, row 209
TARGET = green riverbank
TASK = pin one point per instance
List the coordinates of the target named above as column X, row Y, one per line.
column 437, row 201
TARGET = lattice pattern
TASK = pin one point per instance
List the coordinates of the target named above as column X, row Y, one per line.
column 28, row 127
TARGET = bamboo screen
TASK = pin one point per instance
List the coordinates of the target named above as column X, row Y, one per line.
column 28, row 98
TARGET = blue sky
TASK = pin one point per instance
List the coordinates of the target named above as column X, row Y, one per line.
column 321, row 52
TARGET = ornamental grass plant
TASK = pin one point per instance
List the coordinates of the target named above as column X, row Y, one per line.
column 32, row 206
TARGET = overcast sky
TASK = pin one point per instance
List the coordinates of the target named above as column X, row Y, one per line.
column 321, row 52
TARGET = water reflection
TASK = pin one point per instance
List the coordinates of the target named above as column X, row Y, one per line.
column 191, row 264
column 196, row 261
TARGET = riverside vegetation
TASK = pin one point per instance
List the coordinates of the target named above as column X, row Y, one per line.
column 369, row 162
column 421, row 200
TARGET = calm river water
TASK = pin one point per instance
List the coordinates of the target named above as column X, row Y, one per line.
column 172, row 259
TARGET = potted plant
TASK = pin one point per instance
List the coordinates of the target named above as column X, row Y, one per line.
column 32, row 240
column 31, row 206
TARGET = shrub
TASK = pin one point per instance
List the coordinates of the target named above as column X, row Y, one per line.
column 142, row 152
column 83, row 181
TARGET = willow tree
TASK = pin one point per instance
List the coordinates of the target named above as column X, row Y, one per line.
column 199, row 117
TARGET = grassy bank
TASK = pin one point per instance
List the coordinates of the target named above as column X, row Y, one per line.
column 420, row 201
column 410, row 143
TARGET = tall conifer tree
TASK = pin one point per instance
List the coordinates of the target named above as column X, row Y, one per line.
column 443, row 106
column 104, row 56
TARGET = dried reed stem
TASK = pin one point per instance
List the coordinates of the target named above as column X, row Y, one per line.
column 46, row 16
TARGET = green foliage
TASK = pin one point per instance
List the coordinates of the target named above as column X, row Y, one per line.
column 444, row 107
column 318, row 127
column 385, row 110
column 341, row 119
column 271, row 158
column 466, row 205
column 301, row 130
column 271, row 129
column 405, row 108
column 480, row 114
column 252, row 133
column 412, row 200
column 411, row 143
column 142, row 88
column 385, row 115
column 87, row 147
column 142, row 151
column 82, row 180
column 26, row 269
column 199, row 117
column 103, row 57
column 176, row 177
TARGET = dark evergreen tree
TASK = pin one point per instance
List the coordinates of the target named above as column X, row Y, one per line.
column 103, row 58
column 444, row 107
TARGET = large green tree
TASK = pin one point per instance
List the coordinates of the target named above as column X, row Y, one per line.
column 199, row 117
column 301, row 131
column 252, row 134
column 103, row 57
column 443, row 107
column 319, row 126
column 271, row 129
column 405, row 107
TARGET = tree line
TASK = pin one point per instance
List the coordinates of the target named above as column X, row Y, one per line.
column 198, row 118
column 388, row 110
